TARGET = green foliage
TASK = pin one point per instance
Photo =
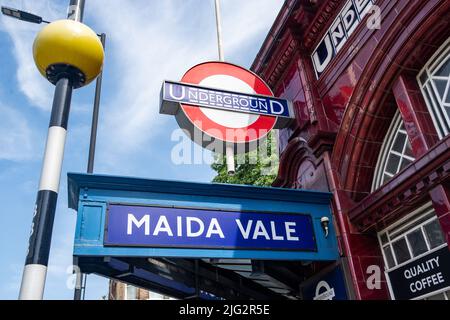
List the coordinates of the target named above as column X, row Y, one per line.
column 253, row 168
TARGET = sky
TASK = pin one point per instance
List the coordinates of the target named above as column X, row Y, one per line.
column 147, row 42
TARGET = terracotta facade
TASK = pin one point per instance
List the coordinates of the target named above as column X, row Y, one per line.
column 343, row 115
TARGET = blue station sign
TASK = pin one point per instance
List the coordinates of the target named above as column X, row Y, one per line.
column 152, row 226
column 174, row 93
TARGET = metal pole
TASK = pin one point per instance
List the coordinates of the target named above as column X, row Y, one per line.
column 78, row 285
column 81, row 278
column 219, row 30
column 229, row 154
column 98, row 89
column 84, row 286
column 35, row 271
column 229, row 148
column 76, row 10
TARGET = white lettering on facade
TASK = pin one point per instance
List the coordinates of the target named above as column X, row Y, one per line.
column 351, row 15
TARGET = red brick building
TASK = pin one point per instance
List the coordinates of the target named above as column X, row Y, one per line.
column 372, row 126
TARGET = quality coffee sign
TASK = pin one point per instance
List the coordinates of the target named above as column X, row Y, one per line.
column 421, row 276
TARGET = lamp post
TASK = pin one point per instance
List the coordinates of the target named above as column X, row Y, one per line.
column 32, row 18
column 22, row 15
column 83, row 55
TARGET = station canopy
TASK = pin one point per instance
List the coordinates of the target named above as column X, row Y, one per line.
column 200, row 240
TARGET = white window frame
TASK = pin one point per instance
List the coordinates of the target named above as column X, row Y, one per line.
column 386, row 151
column 408, row 228
column 430, row 94
column 445, row 292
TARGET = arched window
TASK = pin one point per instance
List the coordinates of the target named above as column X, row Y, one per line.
column 409, row 240
column 395, row 154
column 434, row 81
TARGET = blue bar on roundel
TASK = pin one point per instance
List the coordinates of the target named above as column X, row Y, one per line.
column 177, row 92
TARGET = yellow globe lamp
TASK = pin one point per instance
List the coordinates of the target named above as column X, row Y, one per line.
column 67, row 48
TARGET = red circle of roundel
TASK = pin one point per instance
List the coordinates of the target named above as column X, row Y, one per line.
column 199, row 119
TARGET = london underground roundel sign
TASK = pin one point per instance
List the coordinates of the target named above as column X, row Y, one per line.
column 224, row 102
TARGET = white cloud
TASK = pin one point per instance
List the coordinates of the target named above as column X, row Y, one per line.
column 141, row 52
column 255, row 17
column 11, row 288
column 152, row 41
column 37, row 90
column 147, row 42
column 15, row 136
column 60, row 279
column 61, row 258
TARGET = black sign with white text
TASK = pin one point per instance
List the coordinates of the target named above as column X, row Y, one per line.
column 422, row 276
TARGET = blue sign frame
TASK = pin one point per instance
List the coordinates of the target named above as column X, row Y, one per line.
column 90, row 195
